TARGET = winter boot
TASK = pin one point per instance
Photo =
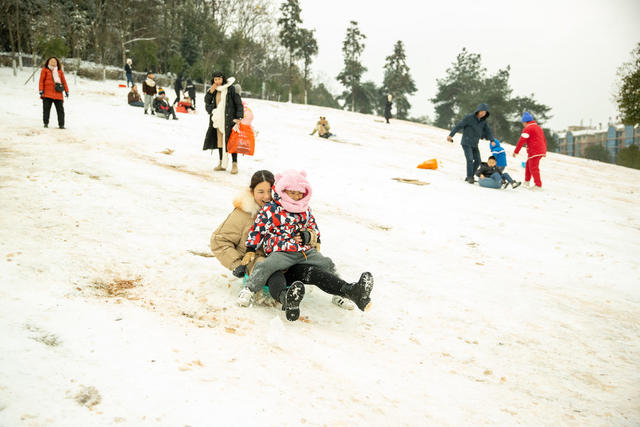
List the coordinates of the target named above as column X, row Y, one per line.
column 290, row 300
column 234, row 168
column 505, row 184
column 245, row 297
column 219, row 167
column 342, row 302
column 515, row 184
column 360, row 292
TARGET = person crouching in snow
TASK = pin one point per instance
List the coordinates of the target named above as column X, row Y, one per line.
column 275, row 229
column 490, row 176
column 501, row 162
column 161, row 106
column 533, row 137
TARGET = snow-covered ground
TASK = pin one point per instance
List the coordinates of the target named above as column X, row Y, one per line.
column 490, row 306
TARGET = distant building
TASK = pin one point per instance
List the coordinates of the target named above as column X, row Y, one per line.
column 574, row 141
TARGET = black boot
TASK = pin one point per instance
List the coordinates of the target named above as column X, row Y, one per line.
column 290, row 300
column 330, row 283
column 360, row 292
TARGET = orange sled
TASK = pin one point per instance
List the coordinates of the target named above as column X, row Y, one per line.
column 429, row 164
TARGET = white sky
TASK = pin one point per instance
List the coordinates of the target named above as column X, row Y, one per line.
column 564, row 52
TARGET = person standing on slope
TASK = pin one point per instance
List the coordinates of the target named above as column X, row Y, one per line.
column 52, row 84
column 533, row 137
column 387, row 108
column 225, row 108
column 474, row 127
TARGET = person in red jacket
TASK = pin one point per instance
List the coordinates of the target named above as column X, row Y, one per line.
column 533, row 137
column 52, row 84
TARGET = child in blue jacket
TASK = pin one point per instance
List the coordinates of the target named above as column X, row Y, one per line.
column 501, row 162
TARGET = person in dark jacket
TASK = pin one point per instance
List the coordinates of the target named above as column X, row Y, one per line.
column 474, row 127
column 190, row 88
column 387, row 108
column 177, row 86
column 162, row 107
column 129, row 72
column 225, row 110
column 491, row 176
column 52, row 84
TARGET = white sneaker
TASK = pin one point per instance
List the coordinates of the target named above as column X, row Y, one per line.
column 527, row 184
column 342, row 302
column 245, row 297
column 535, row 188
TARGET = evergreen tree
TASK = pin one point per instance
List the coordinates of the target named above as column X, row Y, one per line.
column 352, row 48
column 308, row 48
column 290, row 36
column 628, row 97
column 398, row 81
column 468, row 84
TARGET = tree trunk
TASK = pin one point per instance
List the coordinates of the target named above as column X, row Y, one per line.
column 18, row 34
column 290, row 76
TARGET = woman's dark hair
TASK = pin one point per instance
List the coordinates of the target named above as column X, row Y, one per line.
column 46, row 63
column 219, row 74
column 261, row 176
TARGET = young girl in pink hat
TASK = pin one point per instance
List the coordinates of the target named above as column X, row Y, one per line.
column 282, row 228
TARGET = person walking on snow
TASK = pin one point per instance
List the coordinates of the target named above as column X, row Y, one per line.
column 149, row 90
column 190, row 89
column 533, row 137
column 225, row 109
column 52, row 84
column 474, row 127
column 387, row 108
column 177, row 86
column 129, row 72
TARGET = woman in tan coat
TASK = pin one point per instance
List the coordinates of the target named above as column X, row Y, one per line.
column 228, row 245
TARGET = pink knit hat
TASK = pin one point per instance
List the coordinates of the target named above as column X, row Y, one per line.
column 293, row 181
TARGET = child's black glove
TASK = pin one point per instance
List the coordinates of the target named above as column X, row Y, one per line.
column 239, row 271
column 305, row 236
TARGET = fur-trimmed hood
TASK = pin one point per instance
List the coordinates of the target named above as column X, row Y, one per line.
column 246, row 203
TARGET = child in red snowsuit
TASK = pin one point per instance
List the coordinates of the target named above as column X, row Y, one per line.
column 533, row 137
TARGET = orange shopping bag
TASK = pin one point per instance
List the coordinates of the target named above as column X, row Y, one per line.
column 242, row 140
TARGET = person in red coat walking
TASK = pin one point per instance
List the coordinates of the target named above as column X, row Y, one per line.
column 533, row 137
column 52, row 84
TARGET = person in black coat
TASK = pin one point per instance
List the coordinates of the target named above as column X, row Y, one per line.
column 225, row 110
column 129, row 72
column 177, row 86
column 474, row 126
column 387, row 108
column 190, row 88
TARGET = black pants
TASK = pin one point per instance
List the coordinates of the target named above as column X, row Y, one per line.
column 472, row 154
column 307, row 274
column 234, row 156
column 46, row 110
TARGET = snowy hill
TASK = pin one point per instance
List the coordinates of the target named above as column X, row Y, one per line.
column 496, row 307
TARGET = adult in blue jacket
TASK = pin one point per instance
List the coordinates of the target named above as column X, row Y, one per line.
column 473, row 126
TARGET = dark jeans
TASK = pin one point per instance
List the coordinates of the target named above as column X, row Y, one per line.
column 46, row 110
column 472, row 154
column 129, row 79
